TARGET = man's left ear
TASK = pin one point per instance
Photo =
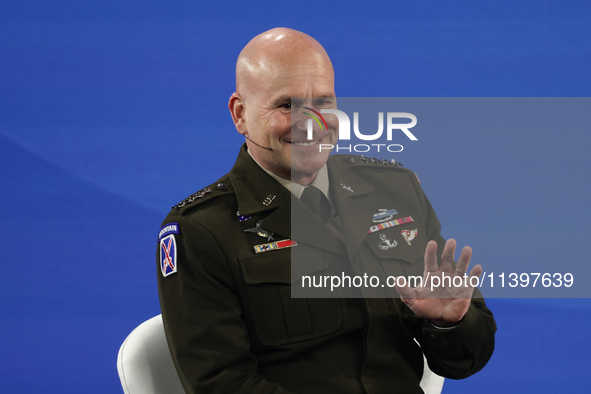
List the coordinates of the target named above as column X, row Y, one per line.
column 237, row 110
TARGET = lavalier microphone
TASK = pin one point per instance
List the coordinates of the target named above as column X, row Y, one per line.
column 260, row 146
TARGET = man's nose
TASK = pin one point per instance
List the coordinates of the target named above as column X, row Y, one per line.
column 298, row 120
column 301, row 124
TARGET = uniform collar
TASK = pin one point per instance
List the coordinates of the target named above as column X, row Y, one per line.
column 258, row 191
column 321, row 181
column 255, row 190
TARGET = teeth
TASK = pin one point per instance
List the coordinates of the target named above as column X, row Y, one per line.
column 305, row 143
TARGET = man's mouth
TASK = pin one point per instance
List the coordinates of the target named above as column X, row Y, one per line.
column 304, row 143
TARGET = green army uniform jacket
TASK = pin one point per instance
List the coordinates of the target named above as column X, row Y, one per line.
column 230, row 319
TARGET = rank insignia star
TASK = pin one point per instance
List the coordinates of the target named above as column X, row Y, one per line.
column 347, row 188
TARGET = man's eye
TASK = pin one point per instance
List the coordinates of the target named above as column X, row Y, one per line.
column 286, row 106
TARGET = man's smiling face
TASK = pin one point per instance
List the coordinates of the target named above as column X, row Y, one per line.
column 275, row 122
column 287, row 67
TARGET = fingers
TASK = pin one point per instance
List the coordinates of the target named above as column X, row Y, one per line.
column 447, row 257
column 476, row 271
column 431, row 257
column 464, row 260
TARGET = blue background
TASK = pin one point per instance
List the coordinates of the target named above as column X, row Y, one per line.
column 111, row 112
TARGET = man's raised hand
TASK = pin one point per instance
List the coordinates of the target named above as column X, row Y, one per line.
column 444, row 304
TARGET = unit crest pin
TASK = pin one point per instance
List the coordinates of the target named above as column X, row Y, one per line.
column 240, row 217
column 409, row 235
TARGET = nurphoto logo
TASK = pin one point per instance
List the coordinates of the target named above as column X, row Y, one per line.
column 345, row 130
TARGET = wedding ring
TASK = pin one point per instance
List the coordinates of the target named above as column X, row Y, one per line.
column 459, row 272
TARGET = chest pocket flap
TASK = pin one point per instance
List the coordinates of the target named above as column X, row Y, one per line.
column 278, row 318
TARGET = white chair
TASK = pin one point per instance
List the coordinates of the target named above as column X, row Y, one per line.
column 145, row 365
column 431, row 383
column 144, row 362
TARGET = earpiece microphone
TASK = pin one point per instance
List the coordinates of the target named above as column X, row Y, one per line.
column 260, row 146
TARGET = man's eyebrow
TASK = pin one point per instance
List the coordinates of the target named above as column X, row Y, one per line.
column 320, row 96
column 283, row 99
column 288, row 98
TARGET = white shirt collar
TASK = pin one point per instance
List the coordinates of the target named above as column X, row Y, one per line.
column 321, row 181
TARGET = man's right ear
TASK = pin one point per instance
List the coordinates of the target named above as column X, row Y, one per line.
column 237, row 110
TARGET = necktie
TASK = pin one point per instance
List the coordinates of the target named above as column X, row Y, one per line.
column 317, row 202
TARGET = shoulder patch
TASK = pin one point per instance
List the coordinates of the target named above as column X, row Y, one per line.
column 169, row 228
column 168, row 253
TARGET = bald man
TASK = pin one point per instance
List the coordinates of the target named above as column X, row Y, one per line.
column 274, row 67
column 224, row 255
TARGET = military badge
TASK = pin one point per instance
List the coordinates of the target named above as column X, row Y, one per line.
column 240, row 217
column 261, row 232
column 390, row 223
column 286, row 243
column 269, row 199
column 386, row 243
column 384, row 215
column 347, row 188
column 409, row 235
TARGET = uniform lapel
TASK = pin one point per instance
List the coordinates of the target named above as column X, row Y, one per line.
column 354, row 201
column 257, row 192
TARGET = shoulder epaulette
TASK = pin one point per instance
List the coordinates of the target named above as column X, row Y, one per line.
column 200, row 194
